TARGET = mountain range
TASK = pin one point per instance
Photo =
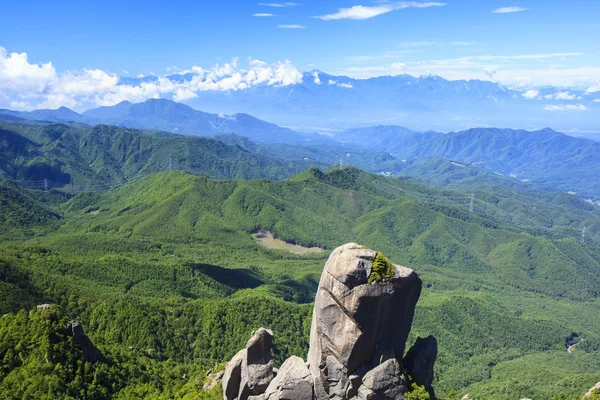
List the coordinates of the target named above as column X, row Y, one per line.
column 332, row 103
column 545, row 156
column 169, row 116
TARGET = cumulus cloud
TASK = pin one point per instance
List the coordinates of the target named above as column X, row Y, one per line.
column 506, row 10
column 366, row 12
column 531, row 94
column 567, row 107
column 316, row 78
column 346, row 85
column 25, row 85
column 331, row 82
column 596, row 100
column 560, row 96
column 291, row 26
column 593, row 89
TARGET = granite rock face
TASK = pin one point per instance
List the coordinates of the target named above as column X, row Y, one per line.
column 419, row 362
column 251, row 370
column 354, row 321
column 362, row 316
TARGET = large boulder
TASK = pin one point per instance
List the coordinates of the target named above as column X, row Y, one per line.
column 232, row 376
column 419, row 361
column 384, row 382
column 293, row 382
column 257, row 366
column 353, row 320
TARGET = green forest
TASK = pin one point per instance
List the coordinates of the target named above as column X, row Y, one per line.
column 167, row 282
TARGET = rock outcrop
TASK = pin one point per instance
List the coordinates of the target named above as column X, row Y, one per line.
column 362, row 316
column 419, row 362
column 251, row 370
column 355, row 321
column 90, row 352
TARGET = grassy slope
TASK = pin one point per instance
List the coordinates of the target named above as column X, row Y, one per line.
column 172, row 245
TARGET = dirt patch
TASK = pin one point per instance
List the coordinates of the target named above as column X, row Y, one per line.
column 266, row 240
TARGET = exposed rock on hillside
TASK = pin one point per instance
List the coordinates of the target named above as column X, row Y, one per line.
column 251, row 370
column 362, row 316
column 90, row 352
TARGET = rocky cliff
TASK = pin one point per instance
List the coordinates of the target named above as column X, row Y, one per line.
column 362, row 316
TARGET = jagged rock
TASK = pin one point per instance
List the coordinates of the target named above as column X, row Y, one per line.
column 353, row 319
column 419, row 362
column 232, row 376
column 383, row 382
column 595, row 389
column 293, row 382
column 257, row 366
column 90, row 352
column 213, row 380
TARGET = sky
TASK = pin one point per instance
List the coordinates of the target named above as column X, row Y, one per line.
column 54, row 52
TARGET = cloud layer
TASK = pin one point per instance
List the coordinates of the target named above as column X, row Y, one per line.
column 507, row 10
column 24, row 85
column 366, row 12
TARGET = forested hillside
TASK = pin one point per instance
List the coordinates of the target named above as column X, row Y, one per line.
column 83, row 156
column 163, row 274
column 545, row 157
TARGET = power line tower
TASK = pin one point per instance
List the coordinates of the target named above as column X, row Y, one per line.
column 471, row 205
column 341, row 162
column 45, row 185
column 170, row 164
column 583, row 235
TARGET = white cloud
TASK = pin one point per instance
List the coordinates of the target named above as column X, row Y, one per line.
column 596, row 100
column 521, row 70
column 346, row 85
column 316, row 76
column 263, row 15
column 561, row 96
column 331, row 82
column 567, row 107
column 366, row 12
column 593, row 89
column 506, row 10
column 531, row 94
column 286, row 4
column 26, row 85
column 291, row 26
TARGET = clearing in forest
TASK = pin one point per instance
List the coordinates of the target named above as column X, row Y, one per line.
column 267, row 240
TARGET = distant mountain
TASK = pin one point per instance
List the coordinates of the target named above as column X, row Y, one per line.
column 106, row 155
column 329, row 102
column 545, row 156
column 62, row 114
column 175, row 117
column 169, row 116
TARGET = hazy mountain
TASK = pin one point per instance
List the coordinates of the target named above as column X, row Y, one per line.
column 545, row 156
column 169, row 116
column 328, row 102
column 175, row 117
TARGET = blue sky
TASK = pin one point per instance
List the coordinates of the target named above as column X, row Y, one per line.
column 531, row 43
